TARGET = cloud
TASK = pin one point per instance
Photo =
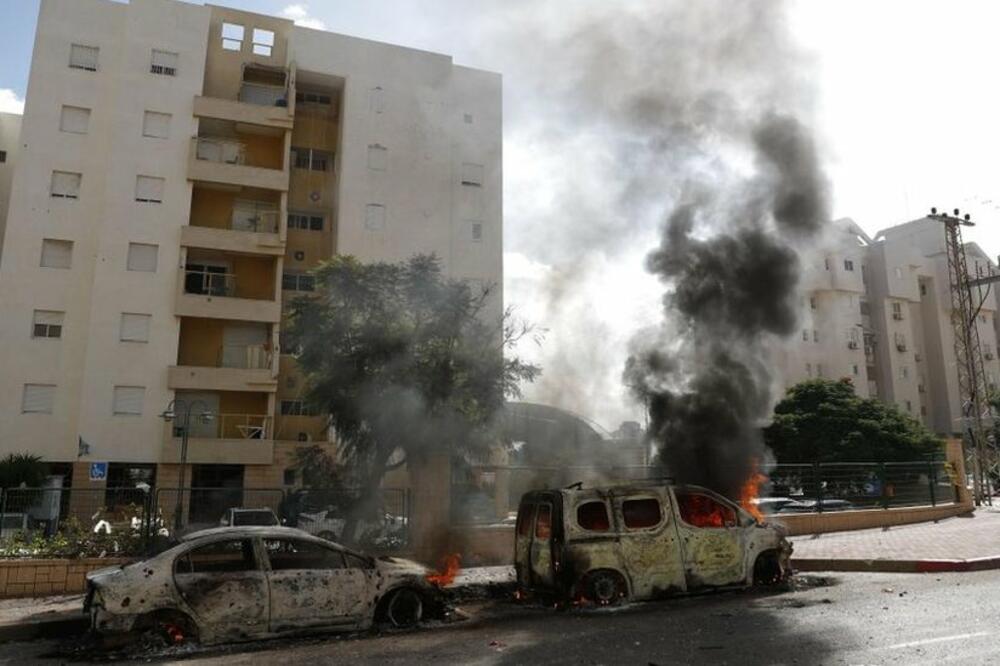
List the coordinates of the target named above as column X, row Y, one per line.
column 10, row 102
column 299, row 13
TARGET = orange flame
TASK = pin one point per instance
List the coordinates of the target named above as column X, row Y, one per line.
column 751, row 491
column 450, row 566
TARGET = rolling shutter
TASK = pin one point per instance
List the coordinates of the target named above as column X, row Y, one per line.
column 74, row 119
column 142, row 257
column 149, row 189
column 83, row 57
column 156, row 125
column 56, row 253
column 128, row 400
column 135, row 327
column 65, row 184
column 38, row 398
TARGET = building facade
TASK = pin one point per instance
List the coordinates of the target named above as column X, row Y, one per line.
column 183, row 168
column 878, row 311
column 10, row 133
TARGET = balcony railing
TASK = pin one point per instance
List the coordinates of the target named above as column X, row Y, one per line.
column 209, row 283
column 221, row 150
column 231, row 426
column 258, row 221
column 262, row 94
column 248, row 357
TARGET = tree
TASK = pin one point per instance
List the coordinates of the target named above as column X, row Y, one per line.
column 404, row 362
column 825, row 421
column 22, row 468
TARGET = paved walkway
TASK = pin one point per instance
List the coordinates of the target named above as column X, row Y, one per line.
column 961, row 538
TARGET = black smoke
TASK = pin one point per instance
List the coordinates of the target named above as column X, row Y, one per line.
column 729, row 258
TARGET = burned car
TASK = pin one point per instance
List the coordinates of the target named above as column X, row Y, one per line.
column 640, row 541
column 242, row 583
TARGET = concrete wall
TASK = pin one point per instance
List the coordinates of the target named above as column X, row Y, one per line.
column 10, row 143
column 41, row 578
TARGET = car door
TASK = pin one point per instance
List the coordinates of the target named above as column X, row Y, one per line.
column 312, row 585
column 224, row 587
column 649, row 544
column 713, row 540
column 540, row 551
column 522, row 543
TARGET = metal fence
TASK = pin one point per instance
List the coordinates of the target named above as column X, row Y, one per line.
column 490, row 494
column 159, row 515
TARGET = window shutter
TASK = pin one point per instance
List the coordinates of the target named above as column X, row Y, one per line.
column 65, row 185
column 135, row 327
column 74, row 119
column 56, row 253
column 128, row 400
column 149, row 189
column 142, row 257
column 472, row 174
column 83, row 57
column 38, row 398
column 49, row 317
column 377, row 157
column 477, row 232
column 164, row 62
column 375, row 217
column 156, row 125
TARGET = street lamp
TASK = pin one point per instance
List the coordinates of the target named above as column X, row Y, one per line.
column 181, row 410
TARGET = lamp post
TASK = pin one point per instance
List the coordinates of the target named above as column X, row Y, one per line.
column 181, row 410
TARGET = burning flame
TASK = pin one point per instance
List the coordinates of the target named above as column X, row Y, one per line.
column 450, row 566
column 751, row 491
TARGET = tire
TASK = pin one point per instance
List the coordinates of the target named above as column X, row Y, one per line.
column 767, row 570
column 404, row 608
column 605, row 588
column 166, row 628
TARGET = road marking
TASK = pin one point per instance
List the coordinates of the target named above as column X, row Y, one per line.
column 942, row 639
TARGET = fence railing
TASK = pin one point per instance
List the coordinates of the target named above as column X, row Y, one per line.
column 209, row 283
column 229, row 426
column 219, row 149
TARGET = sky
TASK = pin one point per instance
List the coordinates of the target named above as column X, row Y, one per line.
column 904, row 111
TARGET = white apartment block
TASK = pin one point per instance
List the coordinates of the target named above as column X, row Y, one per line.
column 878, row 311
column 10, row 133
column 181, row 169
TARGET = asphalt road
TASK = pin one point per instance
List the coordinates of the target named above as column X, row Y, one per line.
column 847, row 619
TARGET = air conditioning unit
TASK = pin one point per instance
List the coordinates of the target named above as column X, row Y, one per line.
column 851, row 344
column 901, row 346
column 898, row 316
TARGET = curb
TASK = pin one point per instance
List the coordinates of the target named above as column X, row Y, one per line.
column 897, row 566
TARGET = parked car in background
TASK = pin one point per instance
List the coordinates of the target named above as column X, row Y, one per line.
column 815, row 506
column 323, row 523
column 246, row 517
column 245, row 583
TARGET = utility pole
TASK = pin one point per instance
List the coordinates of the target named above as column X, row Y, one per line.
column 972, row 387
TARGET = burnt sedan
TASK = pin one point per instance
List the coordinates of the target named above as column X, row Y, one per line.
column 243, row 583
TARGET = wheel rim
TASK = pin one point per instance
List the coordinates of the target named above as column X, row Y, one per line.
column 605, row 589
column 405, row 609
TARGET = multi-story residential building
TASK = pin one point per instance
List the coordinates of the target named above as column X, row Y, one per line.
column 183, row 168
column 885, row 305
column 10, row 132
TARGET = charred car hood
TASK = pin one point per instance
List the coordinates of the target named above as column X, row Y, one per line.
column 396, row 566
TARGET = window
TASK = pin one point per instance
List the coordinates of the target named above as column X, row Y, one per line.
column 305, row 221
column 477, row 232
column 306, row 97
column 641, row 513
column 65, row 185
column 83, row 57
column 156, row 125
column 232, row 36
column 855, row 369
column 378, row 156
column 543, row 522
column 163, row 62
column 376, row 100
column 809, row 369
column 898, row 272
column 291, row 554
column 815, row 335
column 819, row 369
column 47, row 324
column 74, row 119
column 593, row 516
column 128, row 400
column 38, row 398
column 909, row 406
column 900, row 340
column 298, row 282
column 142, row 257
column 699, row 510
column 308, row 158
column 149, row 189
column 472, row 174
column 923, row 289
column 525, row 516
column 812, row 302
column 263, row 42
column 805, row 335
column 826, row 263
column 295, row 408
column 3, row 156
column 218, row 557
column 904, row 372
column 134, row 327
column 897, row 311
column 56, row 253
column 467, row 118
column 848, row 265
column 375, row 217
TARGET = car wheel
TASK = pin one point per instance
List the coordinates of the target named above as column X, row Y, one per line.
column 164, row 629
column 404, row 608
column 767, row 569
column 605, row 588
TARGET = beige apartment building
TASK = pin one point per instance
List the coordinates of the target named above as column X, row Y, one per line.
column 878, row 311
column 10, row 132
column 183, row 167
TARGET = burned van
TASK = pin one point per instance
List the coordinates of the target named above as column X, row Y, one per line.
column 640, row 541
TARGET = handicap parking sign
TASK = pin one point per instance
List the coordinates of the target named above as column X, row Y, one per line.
column 98, row 471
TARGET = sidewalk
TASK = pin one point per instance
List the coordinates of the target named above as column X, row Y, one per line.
column 962, row 543
column 41, row 617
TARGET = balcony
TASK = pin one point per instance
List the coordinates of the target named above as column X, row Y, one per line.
column 245, row 439
column 262, row 99
column 213, row 292
column 231, row 161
